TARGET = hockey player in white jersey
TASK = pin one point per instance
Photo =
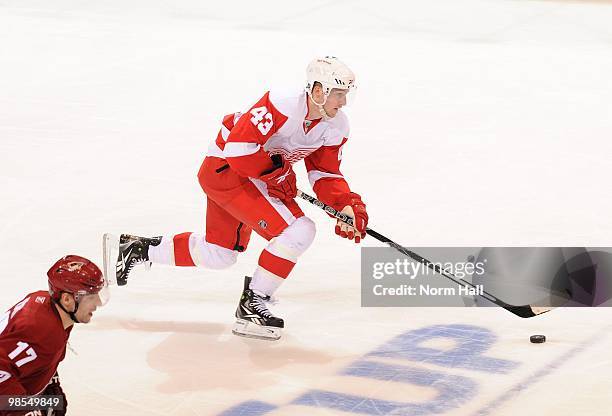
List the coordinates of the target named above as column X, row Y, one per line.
column 249, row 182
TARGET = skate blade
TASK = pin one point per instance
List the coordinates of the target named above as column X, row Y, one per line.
column 247, row 329
column 110, row 252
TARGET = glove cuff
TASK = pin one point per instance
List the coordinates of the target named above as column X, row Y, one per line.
column 350, row 198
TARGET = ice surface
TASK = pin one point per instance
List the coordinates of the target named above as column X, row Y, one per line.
column 476, row 123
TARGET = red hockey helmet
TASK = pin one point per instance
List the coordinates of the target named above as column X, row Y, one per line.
column 76, row 275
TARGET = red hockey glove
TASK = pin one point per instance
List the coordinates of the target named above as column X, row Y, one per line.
column 280, row 179
column 355, row 208
column 54, row 389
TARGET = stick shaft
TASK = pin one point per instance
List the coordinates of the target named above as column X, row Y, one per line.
column 524, row 311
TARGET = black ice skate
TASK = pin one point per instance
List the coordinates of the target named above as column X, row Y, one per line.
column 133, row 250
column 253, row 319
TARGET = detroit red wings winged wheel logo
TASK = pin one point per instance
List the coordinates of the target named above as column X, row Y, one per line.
column 292, row 156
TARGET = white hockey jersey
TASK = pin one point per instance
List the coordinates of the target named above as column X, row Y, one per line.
column 276, row 124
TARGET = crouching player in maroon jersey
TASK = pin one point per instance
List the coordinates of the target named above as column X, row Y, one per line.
column 34, row 334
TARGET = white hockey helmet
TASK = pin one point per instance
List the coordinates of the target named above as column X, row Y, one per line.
column 331, row 73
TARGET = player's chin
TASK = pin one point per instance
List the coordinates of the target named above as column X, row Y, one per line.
column 86, row 318
column 332, row 113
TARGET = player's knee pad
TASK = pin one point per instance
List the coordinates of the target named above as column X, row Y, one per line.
column 297, row 237
column 210, row 255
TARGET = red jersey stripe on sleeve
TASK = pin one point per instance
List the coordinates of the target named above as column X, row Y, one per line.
column 324, row 174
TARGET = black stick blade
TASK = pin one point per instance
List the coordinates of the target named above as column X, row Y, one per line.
column 526, row 311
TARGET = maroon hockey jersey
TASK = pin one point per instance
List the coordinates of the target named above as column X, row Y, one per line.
column 32, row 344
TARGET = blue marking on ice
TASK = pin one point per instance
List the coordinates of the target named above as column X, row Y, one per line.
column 453, row 390
column 250, row 408
column 471, row 343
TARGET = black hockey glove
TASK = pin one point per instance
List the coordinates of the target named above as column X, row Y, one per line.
column 55, row 389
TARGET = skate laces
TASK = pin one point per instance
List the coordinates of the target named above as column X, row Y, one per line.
column 268, row 299
column 259, row 303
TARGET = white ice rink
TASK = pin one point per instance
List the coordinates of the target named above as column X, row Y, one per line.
column 476, row 123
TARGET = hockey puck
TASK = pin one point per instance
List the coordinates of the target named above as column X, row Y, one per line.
column 537, row 339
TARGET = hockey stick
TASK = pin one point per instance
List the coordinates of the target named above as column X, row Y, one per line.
column 524, row 311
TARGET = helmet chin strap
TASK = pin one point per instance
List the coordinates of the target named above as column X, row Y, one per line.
column 72, row 314
column 322, row 111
